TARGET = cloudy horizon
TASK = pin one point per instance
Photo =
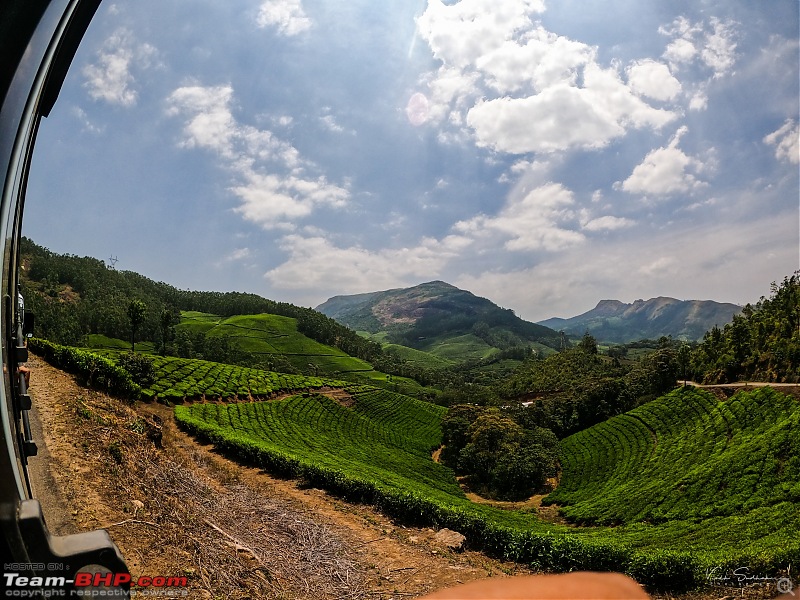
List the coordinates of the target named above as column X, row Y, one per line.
column 543, row 155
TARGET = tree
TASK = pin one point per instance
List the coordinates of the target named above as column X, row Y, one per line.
column 136, row 313
column 169, row 318
column 504, row 460
column 588, row 344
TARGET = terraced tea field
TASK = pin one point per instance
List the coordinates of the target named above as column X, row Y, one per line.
column 273, row 335
column 178, row 379
column 693, row 483
column 276, row 338
column 685, row 456
column 688, row 482
column 387, row 439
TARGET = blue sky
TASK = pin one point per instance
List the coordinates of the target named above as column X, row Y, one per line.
column 544, row 154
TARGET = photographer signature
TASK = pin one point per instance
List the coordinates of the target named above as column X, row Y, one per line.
column 742, row 576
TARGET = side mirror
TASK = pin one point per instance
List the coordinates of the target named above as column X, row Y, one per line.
column 27, row 324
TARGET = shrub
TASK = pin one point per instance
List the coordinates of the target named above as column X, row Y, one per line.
column 140, row 367
column 94, row 370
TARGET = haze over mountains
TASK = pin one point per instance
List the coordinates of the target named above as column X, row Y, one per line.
column 615, row 321
column 412, row 316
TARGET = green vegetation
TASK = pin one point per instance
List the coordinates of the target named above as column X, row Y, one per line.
column 684, row 456
column 442, row 320
column 93, row 370
column 728, row 495
column 376, row 451
column 386, row 438
column 178, row 379
column 760, row 344
column 573, row 389
column 500, row 458
column 660, row 487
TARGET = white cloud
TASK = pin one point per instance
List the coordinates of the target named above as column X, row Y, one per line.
column 786, row 141
column 81, row 115
column 271, row 179
column 712, row 44
column 530, row 221
column 459, row 34
column 654, row 80
column 719, row 52
column 211, row 124
column 313, row 260
column 704, row 262
column 564, row 116
column 546, row 59
column 520, row 88
column 665, row 171
column 680, row 51
column 329, row 121
column 110, row 78
column 287, row 16
column 608, row 223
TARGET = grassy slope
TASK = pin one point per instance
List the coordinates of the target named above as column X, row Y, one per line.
column 272, row 335
column 722, row 476
column 377, row 451
column 755, row 533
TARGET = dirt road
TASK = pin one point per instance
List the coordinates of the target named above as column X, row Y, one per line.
column 175, row 507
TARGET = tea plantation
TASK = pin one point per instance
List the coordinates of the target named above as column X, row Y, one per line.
column 686, row 455
column 678, row 486
column 691, row 483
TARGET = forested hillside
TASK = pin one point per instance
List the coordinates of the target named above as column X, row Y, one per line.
column 444, row 320
column 73, row 297
column 760, row 344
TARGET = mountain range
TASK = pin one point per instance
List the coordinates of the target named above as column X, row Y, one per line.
column 618, row 322
column 427, row 315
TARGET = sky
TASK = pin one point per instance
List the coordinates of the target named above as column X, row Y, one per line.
column 544, row 154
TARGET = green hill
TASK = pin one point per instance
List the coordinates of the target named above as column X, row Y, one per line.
column 81, row 301
column 441, row 319
column 686, row 482
column 685, row 456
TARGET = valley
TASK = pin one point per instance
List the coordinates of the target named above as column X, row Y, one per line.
column 616, row 466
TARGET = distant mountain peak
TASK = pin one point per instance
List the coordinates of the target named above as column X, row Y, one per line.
column 434, row 312
column 620, row 322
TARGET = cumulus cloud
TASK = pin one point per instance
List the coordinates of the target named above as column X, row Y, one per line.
column 701, row 262
column 312, row 260
column 665, row 171
column 710, row 44
column 271, row 178
column 459, row 34
column 110, row 77
column 535, row 220
column 654, row 80
column 564, row 116
column 786, row 141
column 519, row 88
column 287, row 16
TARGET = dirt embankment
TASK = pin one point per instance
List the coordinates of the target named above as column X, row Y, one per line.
column 178, row 508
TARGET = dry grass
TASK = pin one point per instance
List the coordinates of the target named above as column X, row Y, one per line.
column 229, row 540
